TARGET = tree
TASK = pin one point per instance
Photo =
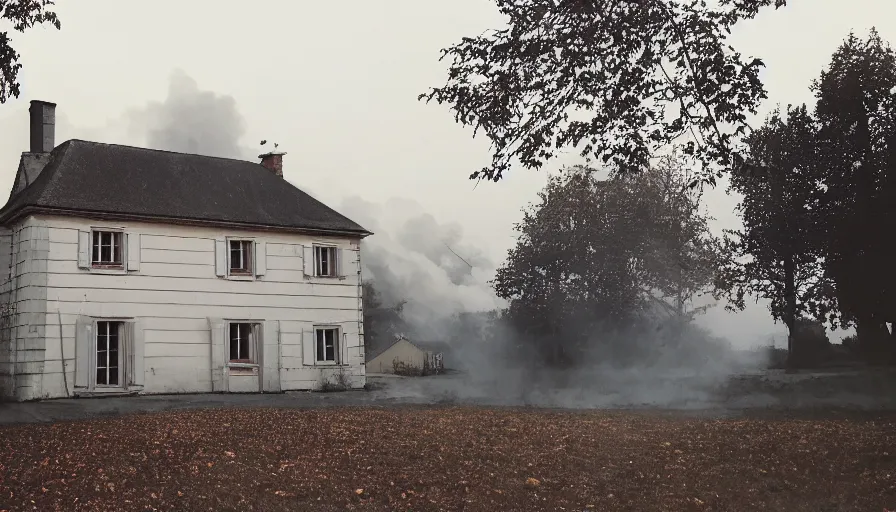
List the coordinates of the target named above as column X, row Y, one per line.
column 596, row 255
column 381, row 322
column 22, row 14
column 856, row 111
column 775, row 255
column 615, row 78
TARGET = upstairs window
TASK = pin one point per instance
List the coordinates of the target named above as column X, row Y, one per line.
column 241, row 343
column 324, row 261
column 107, row 249
column 327, row 344
column 241, row 257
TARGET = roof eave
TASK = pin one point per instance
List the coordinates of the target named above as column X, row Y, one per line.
column 7, row 218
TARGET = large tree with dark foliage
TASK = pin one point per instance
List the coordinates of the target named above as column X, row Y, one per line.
column 22, row 14
column 614, row 78
column 775, row 255
column 596, row 255
column 856, row 111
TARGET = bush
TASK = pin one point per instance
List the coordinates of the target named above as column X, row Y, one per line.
column 339, row 381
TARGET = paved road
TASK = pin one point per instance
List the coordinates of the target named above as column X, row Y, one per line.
column 806, row 392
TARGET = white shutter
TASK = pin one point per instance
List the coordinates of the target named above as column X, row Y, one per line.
column 84, row 249
column 270, row 357
column 340, row 262
column 261, row 258
column 83, row 348
column 138, row 371
column 133, row 245
column 308, row 260
column 308, row 348
column 220, row 257
column 217, row 328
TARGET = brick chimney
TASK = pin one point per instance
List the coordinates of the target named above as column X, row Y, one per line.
column 43, row 126
column 273, row 161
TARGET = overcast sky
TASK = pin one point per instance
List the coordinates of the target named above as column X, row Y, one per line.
column 335, row 84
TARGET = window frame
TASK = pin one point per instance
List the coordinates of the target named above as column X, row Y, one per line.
column 117, row 234
column 243, row 275
column 317, row 249
column 243, row 367
column 337, row 346
column 125, row 350
column 250, row 345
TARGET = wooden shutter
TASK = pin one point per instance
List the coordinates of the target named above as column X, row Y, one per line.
column 308, row 260
column 340, row 262
column 261, row 258
column 133, row 245
column 308, row 343
column 270, row 356
column 84, row 249
column 218, row 328
column 220, row 257
column 138, row 371
column 83, row 352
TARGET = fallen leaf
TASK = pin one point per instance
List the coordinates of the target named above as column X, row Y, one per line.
column 532, row 482
column 359, row 491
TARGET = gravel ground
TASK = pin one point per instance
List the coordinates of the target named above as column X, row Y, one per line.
column 448, row 458
column 767, row 441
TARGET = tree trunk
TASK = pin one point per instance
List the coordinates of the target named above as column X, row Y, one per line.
column 790, row 308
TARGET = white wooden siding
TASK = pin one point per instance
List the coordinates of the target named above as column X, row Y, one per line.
column 173, row 293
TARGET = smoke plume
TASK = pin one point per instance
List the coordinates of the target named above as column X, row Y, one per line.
column 429, row 265
column 190, row 120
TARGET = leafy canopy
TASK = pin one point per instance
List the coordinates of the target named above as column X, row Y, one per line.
column 614, row 78
column 601, row 254
column 22, row 14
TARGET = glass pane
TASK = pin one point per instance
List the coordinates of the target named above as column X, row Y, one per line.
column 116, row 252
column 320, row 345
column 113, row 335
column 113, row 376
column 100, row 358
column 101, row 376
column 96, row 247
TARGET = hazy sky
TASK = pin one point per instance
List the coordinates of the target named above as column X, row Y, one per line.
column 335, row 84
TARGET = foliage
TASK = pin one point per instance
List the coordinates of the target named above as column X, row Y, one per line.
column 856, row 111
column 615, row 79
column 774, row 256
column 22, row 14
column 381, row 322
column 598, row 254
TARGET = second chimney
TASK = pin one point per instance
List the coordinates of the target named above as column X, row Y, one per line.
column 273, row 161
column 43, row 126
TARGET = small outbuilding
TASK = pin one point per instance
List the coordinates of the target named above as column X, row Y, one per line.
column 405, row 357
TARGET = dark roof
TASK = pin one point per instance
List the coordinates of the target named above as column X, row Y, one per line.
column 109, row 179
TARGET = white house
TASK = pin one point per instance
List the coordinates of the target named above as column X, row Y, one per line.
column 142, row 271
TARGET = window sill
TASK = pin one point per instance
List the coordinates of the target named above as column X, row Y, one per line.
column 107, row 270
column 241, row 277
column 242, row 365
column 325, row 279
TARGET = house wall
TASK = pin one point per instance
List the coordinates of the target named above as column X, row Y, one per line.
column 173, row 296
column 24, row 251
column 402, row 351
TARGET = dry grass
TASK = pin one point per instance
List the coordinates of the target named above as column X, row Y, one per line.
column 447, row 459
